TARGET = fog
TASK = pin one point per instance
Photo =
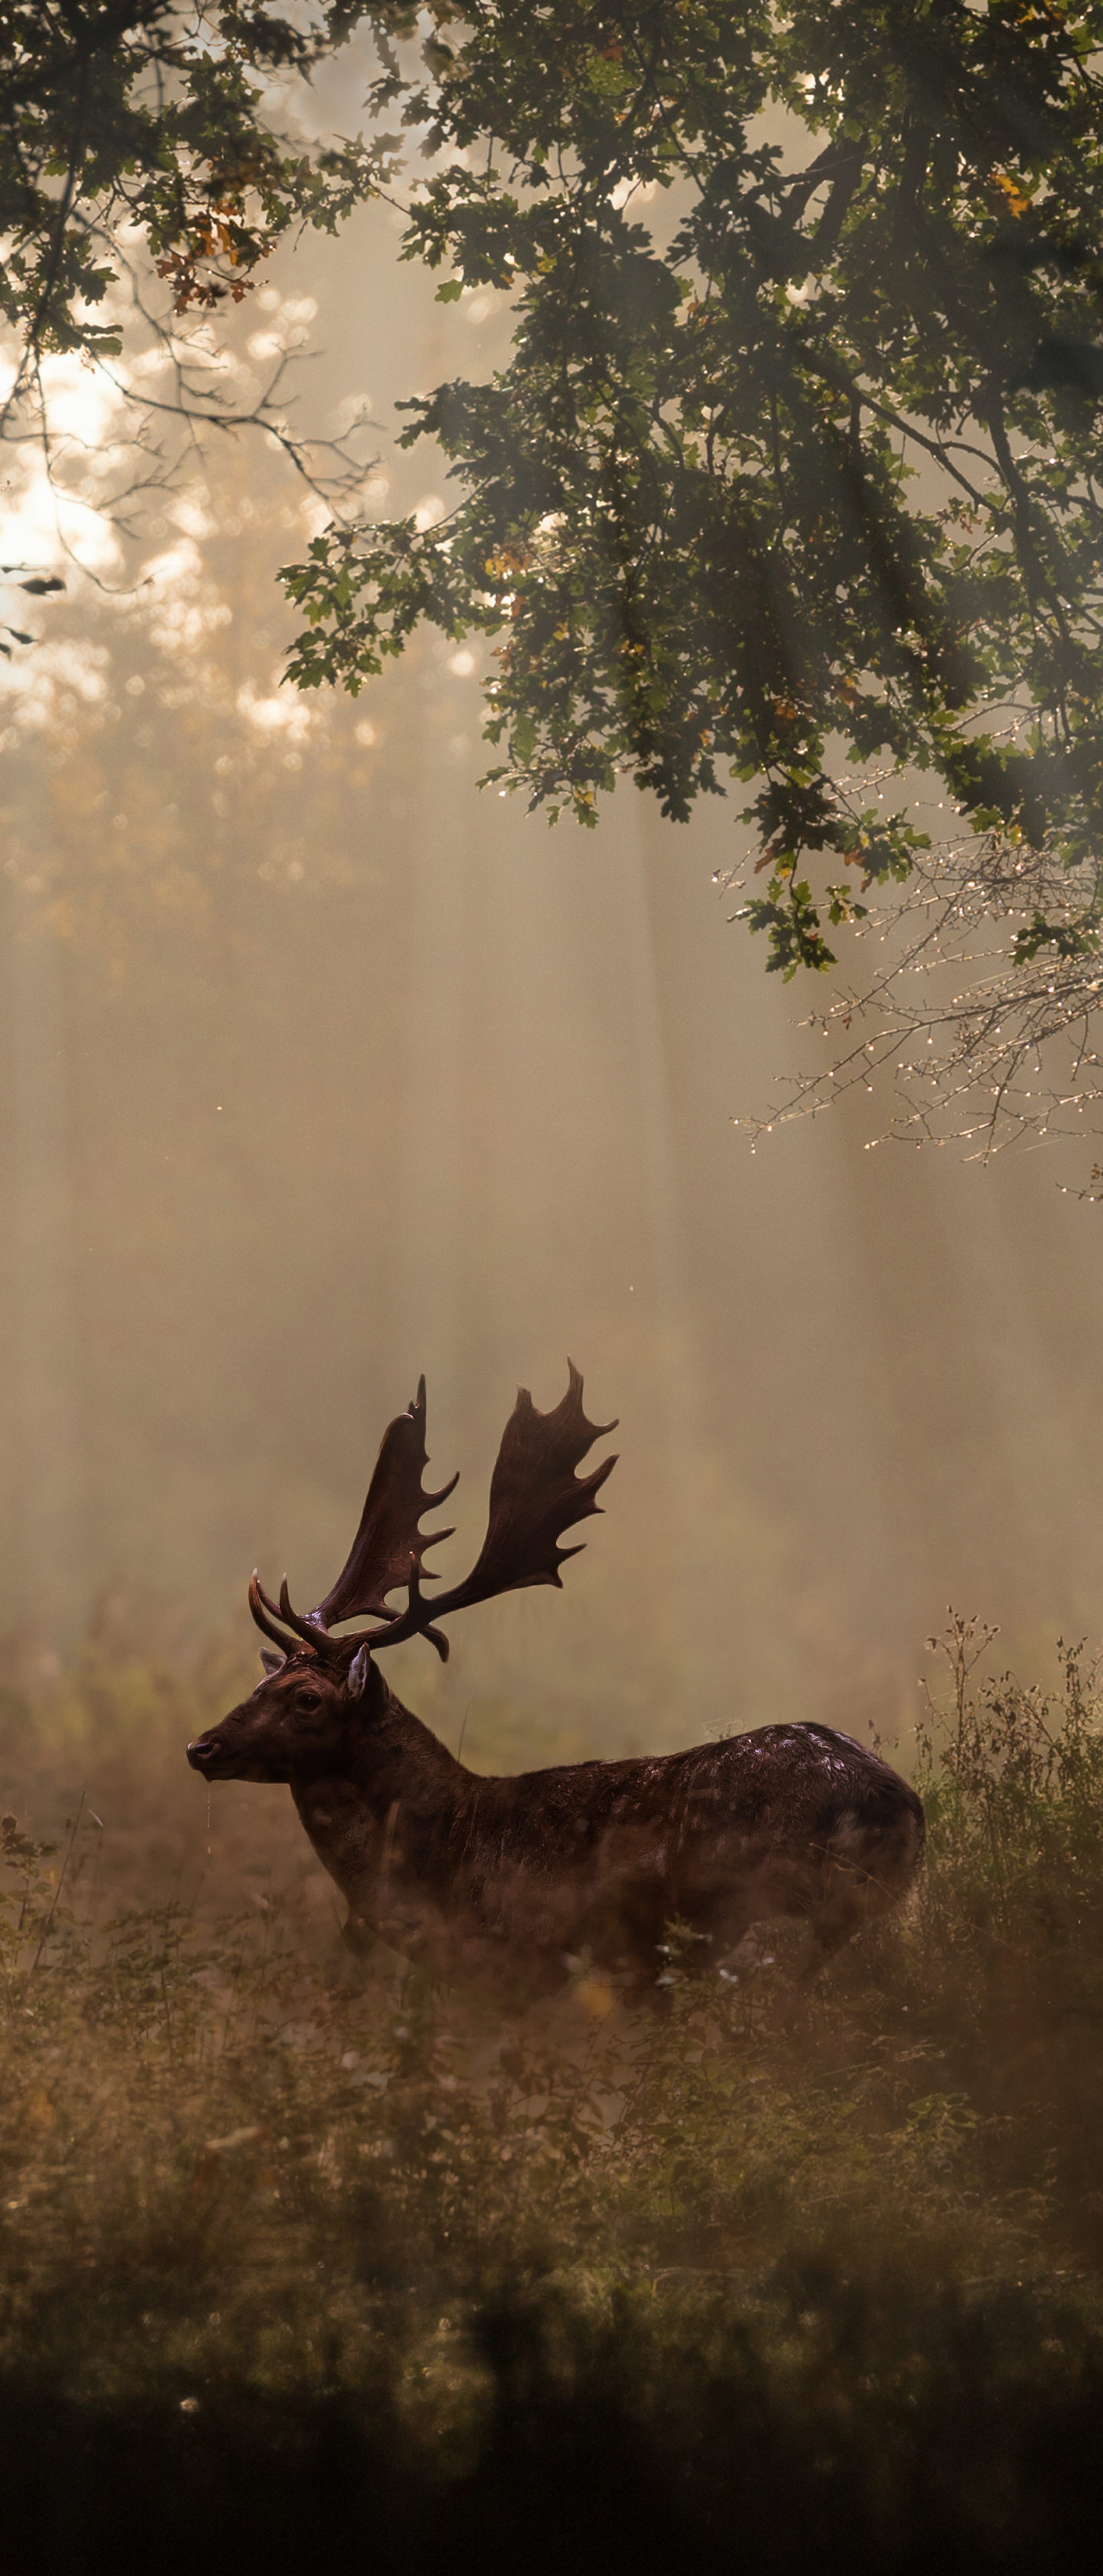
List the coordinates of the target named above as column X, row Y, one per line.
column 320, row 1069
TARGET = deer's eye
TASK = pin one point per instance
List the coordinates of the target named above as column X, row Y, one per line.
column 309, row 1700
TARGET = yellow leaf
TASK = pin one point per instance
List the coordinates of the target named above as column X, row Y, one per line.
column 1019, row 204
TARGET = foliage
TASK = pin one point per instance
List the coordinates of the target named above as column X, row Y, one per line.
column 834, row 2258
column 796, row 451
column 152, row 159
column 134, row 112
column 151, row 766
column 805, row 459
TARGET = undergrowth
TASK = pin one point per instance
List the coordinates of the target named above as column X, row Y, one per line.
column 829, row 2263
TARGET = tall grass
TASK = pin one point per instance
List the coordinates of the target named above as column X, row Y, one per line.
column 825, row 2263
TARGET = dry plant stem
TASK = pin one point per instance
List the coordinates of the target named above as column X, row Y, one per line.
column 48, row 1926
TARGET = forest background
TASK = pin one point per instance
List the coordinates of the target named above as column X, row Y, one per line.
column 322, row 1068
column 319, row 1069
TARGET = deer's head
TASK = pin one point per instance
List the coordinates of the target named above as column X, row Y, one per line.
column 294, row 1725
column 317, row 1686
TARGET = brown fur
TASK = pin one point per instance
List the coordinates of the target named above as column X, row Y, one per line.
column 504, row 1881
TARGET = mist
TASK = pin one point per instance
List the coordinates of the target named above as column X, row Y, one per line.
column 322, row 1068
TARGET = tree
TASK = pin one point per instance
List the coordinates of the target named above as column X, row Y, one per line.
column 982, row 1032
column 805, row 464
column 156, row 779
column 142, row 146
column 136, row 113
column 792, row 476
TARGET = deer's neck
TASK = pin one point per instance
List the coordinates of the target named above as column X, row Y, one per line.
column 382, row 1819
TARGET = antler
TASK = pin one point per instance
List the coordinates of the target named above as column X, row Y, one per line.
column 534, row 1496
column 387, row 1551
column 388, row 1547
column 266, row 1613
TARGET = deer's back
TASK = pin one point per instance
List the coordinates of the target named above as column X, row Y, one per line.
column 779, row 1787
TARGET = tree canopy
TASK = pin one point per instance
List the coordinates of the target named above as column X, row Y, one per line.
column 143, row 113
column 793, row 471
column 152, row 157
column 801, row 469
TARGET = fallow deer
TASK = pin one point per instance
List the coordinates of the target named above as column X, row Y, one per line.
column 509, row 1880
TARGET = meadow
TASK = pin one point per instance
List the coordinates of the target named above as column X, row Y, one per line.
column 299, row 2259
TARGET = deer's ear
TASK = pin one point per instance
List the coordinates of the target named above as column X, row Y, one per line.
column 358, row 1674
column 272, row 1663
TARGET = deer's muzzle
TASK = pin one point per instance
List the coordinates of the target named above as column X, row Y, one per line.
column 203, row 1754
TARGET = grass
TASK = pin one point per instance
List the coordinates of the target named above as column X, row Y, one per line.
column 311, row 2251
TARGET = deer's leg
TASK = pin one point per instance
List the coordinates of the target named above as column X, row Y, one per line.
column 831, row 1927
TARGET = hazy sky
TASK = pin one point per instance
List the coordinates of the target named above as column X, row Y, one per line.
column 318, row 1076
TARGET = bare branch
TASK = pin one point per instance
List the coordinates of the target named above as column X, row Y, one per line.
column 982, row 1013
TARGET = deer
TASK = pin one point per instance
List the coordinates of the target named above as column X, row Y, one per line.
column 510, row 1881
